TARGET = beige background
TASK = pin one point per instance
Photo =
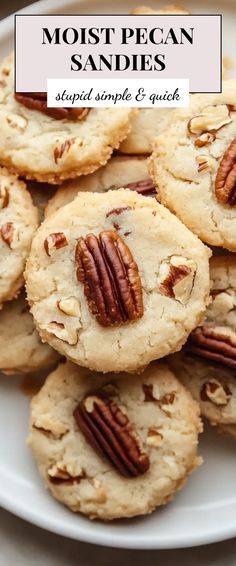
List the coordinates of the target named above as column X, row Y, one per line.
column 22, row 544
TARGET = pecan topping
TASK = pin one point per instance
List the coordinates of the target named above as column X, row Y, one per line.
column 212, row 119
column 214, row 344
column 225, row 183
column 177, row 278
column 4, row 197
column 110, row 275
column 54, row 242
column 145, row 188
column 204, row 163
column 7, row 233
column 38, row 101
column 69, row 306
column 118, row 211
column 154, row 438
column 111, row 434
column 204, row 139
column 216, row 392
column 63, row 148
column 59, row 474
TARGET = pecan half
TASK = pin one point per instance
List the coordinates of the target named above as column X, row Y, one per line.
column 225, row 182
column 38, row 101
column 214, row 344
column 177, row 278
column 111, row 434
column 111, row 279
column 55, row 242
column 4, row 197
column 216, row 392
column 145, row 188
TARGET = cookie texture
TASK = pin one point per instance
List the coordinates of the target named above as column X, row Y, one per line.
column 161, row 413
column 21, row 349
column 18, row 223
column 117, row 173
column 172, row 9
column 43, row 148
column 207, row 365
column 194, row 166
column 120, row 271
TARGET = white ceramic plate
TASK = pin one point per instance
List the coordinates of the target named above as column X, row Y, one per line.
column 205, row 511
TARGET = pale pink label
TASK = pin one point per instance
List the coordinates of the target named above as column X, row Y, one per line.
column 99, row 46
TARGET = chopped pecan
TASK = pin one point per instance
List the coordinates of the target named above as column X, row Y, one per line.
column 38, row 101
column 154, row 438
column 4, row 197
column 204, row 163
column 63, row 148
column 55, row 242
column 65, row 334
column 145, row 187
column 225, row 182
column 214, row 344
column 7, row 233
column 211, row 119
column 69, row 305
column 111, row 434
column 110, row 275
column 204, row 139
column 216, row 392
column 118, row 211
column 177, row 278
column 59, row 474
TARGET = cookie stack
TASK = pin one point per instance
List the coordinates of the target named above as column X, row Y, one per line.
column 113, row 253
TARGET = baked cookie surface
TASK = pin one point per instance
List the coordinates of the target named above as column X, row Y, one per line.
column 120, row 271
column 156, row 450
column 119, row 172
column 21, row 350
column 18, row 223
column 44, row 148
column 194, row 166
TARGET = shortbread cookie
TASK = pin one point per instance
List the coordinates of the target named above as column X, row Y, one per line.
column 39, row 146
column 18, row 222
column 130, row 172
column 142, row 452
column 115, row 280
column 21, row 350
column 194, row 166
column 207, row 365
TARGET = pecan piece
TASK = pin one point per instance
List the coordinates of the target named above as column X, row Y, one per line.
column 4, row 197
column 112, row 284
column 177, row 278
column 111, row 434
column 59, row 151
column 7, row 233
column 216, row 392
column 204, row 139
column 55, row 242
column 211, row 119
column 38, row 101
column 225, row 182
column 214, row 344
column 145, row 187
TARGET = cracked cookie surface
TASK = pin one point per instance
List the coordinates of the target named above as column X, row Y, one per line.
column 18, row 223
column 160, row 411
column 43, row 148
column 194, row 166
column 158, row 302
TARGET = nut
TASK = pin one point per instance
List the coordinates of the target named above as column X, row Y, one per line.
column 38, row 101
column 59, row 330
column 204, row 139
column 16, row 122
column 212, row 119
column 4, row 197
column 216, row 392
column 213, row 343
column 225, row 182
column 145, row 187
column 7, row 233
column 118, row 211
column 69, row 305
column 63, row 148
column 154, row 438
column 111, row 278
column 55, row 242
column 111, row 434
column 176, row 278
column 59, row 474
column 204, row 163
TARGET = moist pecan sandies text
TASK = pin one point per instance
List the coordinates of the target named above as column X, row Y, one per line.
column 38, row 101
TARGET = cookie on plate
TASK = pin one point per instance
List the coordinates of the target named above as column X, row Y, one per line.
column 115, row 280
column 126, row 172
column 194, row 166
column 18, row 222
column 21, row 350
column 114, row 446
column 51, row 145
column 207, row 365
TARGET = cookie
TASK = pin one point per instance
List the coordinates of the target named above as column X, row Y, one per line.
column 207, row 365
column 53, row 148
column 116, row 281
column 119, row 172
column 21, row 350
column 194, row 166
column 172, row 9
column 18, row 222
column 151, row 440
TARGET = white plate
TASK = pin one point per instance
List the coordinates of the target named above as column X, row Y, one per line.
column 205, row 511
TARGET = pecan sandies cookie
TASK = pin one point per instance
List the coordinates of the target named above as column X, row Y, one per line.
column 194, row 166
column 114, row 447
column 55, row 144
column 127, row 172
column 18, row 223
column 116, row 281
column 207, row 365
